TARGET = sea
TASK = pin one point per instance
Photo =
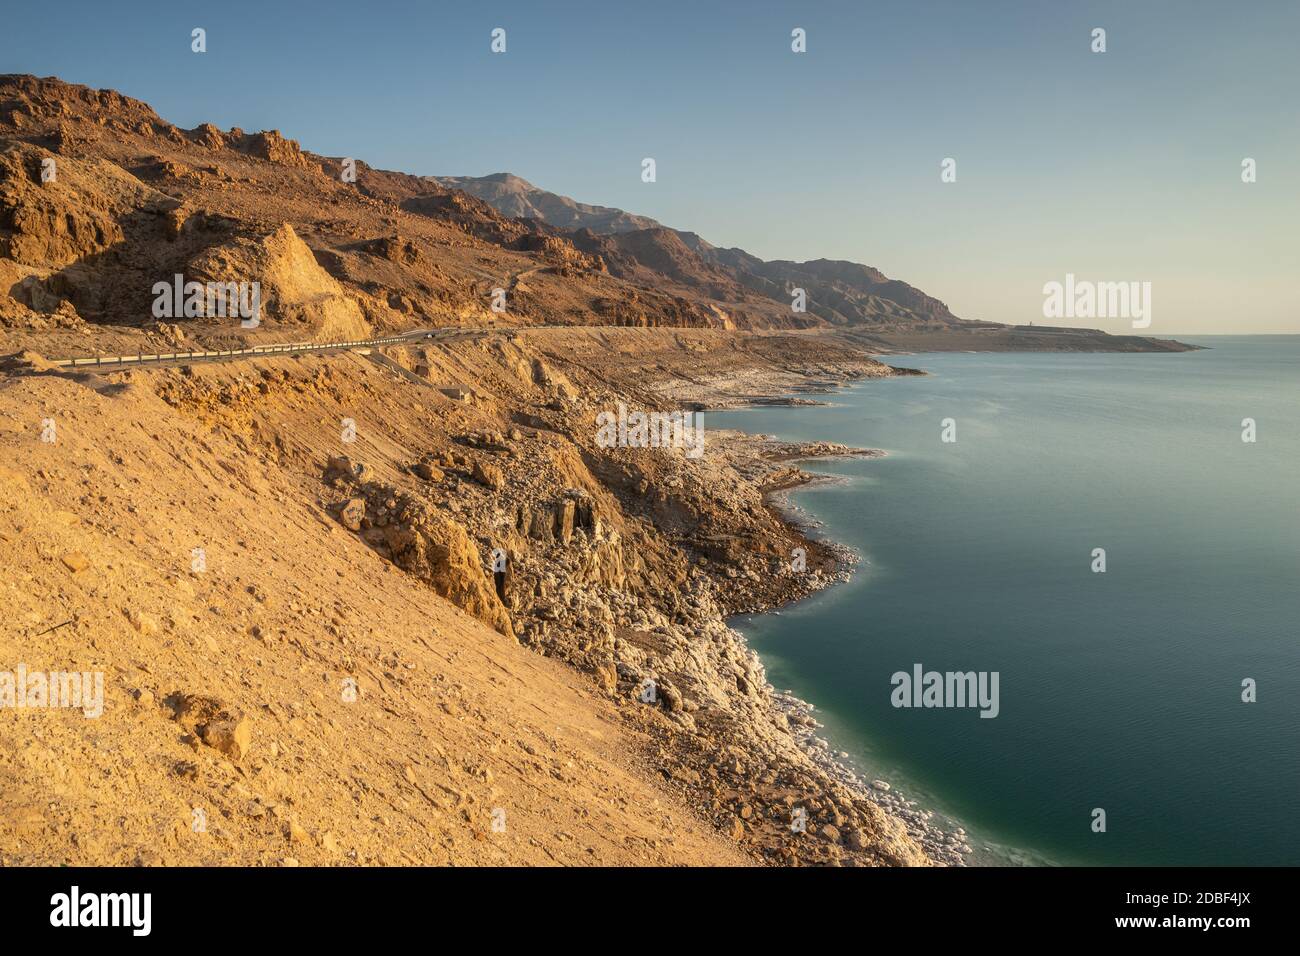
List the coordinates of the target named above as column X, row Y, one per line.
column 1117, row 538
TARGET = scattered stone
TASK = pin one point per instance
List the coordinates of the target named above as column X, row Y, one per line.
column 146, row 624
column 232, row 737
column 209, row 721
column 353, row 510
column 75, row 561
column 428, row 471
column 341, row 466
column 671, row 697
column 489, row 475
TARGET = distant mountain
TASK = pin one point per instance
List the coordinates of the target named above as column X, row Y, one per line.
column 839, row 292
column 512, row 196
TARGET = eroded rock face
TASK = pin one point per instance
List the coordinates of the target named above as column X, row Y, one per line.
column 295, row 290
column 271, row 146
column 421, row 540
column 55, row 223
column 396, row 249
column 439, row 551
column 556, row 520
column 206, row 134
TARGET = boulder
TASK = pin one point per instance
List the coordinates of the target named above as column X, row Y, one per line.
column 489, row 475
column 341, row 466
column 350, row 515
column 231, row 736
column 428, row 471
column 671, row 697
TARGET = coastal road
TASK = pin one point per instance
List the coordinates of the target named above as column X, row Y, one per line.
column 163, row 359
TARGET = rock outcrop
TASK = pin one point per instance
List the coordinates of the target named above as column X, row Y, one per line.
column 295, row 291
column 439, row 551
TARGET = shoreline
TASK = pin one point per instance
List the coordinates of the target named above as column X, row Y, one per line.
column 946, row 839
column 948, row 845
column 625, row 564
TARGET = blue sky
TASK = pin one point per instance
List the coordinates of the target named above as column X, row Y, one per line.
column 1116, row 166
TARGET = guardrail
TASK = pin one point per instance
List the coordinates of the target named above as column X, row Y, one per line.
column 232, row 353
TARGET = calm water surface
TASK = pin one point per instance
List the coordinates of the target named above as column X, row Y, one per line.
column 1119, row 690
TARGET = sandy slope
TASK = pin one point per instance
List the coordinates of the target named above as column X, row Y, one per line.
column 452, row 719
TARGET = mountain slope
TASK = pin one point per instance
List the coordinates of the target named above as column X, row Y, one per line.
column 512, row 196
column 136, row 200
column 839, row 292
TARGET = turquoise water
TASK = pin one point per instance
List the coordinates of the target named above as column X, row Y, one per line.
column 1119, row 690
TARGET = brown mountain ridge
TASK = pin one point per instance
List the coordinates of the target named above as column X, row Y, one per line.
column 136, row 199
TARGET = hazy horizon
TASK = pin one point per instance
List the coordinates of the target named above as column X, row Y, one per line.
column 1115, row 166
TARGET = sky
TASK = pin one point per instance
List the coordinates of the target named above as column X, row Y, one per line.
column 1115, row 166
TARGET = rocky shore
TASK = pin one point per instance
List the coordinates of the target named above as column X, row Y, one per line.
column 943, row 841
column 767, row 468
column 475, row 473
column 627, row 562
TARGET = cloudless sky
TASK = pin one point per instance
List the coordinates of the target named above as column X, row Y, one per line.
column 1117, row 166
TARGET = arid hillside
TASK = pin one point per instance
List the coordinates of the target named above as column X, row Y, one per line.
column 101, row 199
column 238, row 546
column 410, row 602
column 449, row 721
column 837, row 293
column 129, row 200
column 518, row 198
